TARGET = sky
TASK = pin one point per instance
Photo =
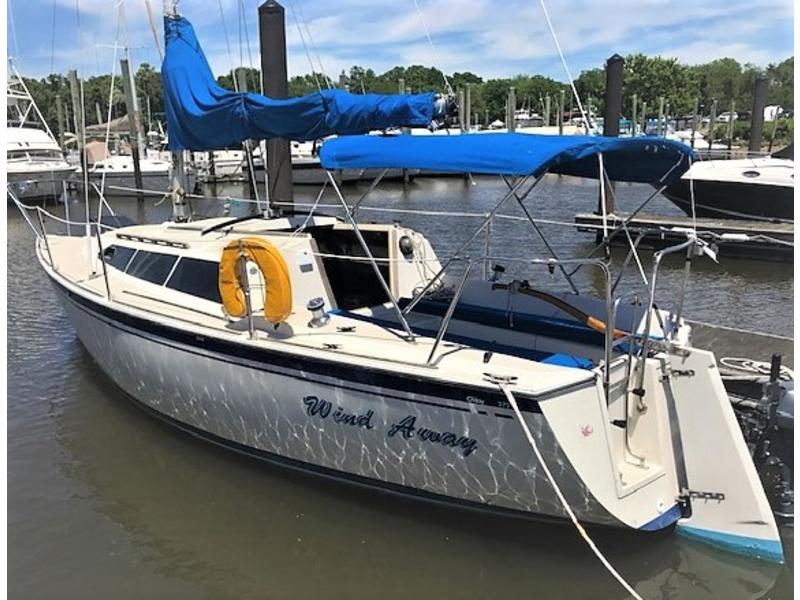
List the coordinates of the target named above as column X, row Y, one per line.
column 491, row 38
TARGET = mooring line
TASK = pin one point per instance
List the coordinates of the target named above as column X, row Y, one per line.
column 503, row 385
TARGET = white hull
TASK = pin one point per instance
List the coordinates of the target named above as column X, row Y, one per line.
column 151, row 182
column 259, row 408
column 28, row 185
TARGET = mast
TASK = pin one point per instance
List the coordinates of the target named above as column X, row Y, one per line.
column 180, row 213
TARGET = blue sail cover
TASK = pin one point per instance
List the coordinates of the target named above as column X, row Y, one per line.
column 641, row 159
column 201, row 115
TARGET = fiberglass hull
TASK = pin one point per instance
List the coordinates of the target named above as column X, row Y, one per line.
column 362, row 427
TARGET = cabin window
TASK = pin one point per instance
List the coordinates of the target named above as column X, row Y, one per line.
column 151, row 266
column 196, row 277
column 353, row 283
column 118, row 256
column 751, row 174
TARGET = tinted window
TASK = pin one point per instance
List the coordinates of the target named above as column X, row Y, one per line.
column 196, row 277
column 151, row 266
column 118, row 256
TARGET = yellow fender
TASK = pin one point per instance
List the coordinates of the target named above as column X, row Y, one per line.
column 278, row 297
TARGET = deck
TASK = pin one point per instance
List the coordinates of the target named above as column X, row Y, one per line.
column 758, row 240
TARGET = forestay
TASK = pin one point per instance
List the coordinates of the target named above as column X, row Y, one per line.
column 201, row 115
column 642, row 159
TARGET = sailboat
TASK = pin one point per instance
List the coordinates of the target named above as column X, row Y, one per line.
column 353, row 352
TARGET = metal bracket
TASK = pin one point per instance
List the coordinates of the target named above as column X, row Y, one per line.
column 698, row 495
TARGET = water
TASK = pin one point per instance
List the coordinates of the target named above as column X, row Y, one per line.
column 105, row 502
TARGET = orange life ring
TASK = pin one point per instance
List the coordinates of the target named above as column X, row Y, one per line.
column 278, row 296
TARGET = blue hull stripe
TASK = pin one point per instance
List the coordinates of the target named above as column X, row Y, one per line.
column 664, row 520
column 771, row 550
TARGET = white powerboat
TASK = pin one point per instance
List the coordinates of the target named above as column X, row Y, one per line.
column 36, row 167
column 116, row 174
column 35, row 164
column 748, row 188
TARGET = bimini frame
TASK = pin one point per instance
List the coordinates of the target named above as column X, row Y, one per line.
column 552, row 262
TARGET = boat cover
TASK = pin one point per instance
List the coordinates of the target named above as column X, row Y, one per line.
column 641, row 159
column 201, row 115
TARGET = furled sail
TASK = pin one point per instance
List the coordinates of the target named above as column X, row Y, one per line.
column 201, row 115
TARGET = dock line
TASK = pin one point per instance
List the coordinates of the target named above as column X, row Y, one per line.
column 502, row 383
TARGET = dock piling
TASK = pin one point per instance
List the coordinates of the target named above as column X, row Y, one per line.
column 547, row 110
column 712, row 123
column 512, row 107
column 757, row 115
column 77, row 114
column 468, row 105
column 694, row 119
column 561, row 113
column 633, row 116
column 730, row 126
column 134, row 124
column 613, row 109
column 272, row 42
column 60, row 112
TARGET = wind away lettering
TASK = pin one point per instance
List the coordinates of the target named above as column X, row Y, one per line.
column 408, row 429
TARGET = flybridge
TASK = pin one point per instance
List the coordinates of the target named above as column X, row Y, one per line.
column 201, row 115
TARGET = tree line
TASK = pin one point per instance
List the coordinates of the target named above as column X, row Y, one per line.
column 650, row 78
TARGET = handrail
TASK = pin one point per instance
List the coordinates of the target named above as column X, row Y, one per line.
column 657, row 258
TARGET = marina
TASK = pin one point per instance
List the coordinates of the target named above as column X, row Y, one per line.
column 383, row 332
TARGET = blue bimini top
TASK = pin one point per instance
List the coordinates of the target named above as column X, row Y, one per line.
column 640, row 159
column 201, row 115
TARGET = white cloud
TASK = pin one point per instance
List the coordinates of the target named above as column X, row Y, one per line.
column 489, row 37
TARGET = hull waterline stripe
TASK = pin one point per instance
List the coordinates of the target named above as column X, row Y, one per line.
column 769, row 550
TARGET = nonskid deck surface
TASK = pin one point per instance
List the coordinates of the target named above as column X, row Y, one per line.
column 347, row 337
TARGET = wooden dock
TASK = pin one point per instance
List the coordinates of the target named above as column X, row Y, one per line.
column 758, row 240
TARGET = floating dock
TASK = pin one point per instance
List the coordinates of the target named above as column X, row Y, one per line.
column 758, row 240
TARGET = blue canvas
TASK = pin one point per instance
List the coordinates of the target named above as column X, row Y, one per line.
column 641, row 159
column 201, row 115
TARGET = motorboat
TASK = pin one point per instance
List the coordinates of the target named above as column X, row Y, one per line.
column 35, row 164
column 353, row 352
column 221, row 165
column 116, row 174
column 749, row 188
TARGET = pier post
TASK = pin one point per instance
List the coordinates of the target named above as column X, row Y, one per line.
column 613, row 109
column 468, row 105
column 512, row 107
column 561, row 113
column 461, row 108
column 77, row 116
column 272, row 37
column 694, row 119
column 98, row 114
column 660, row 116
column 547, row 110
column 757, row 114
column 633, row 116
column 401, row 89
column 60, row 112
column 134, row 124
column 613, row 95
column 644, row 117
column 730, row 128
column 712, row 123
